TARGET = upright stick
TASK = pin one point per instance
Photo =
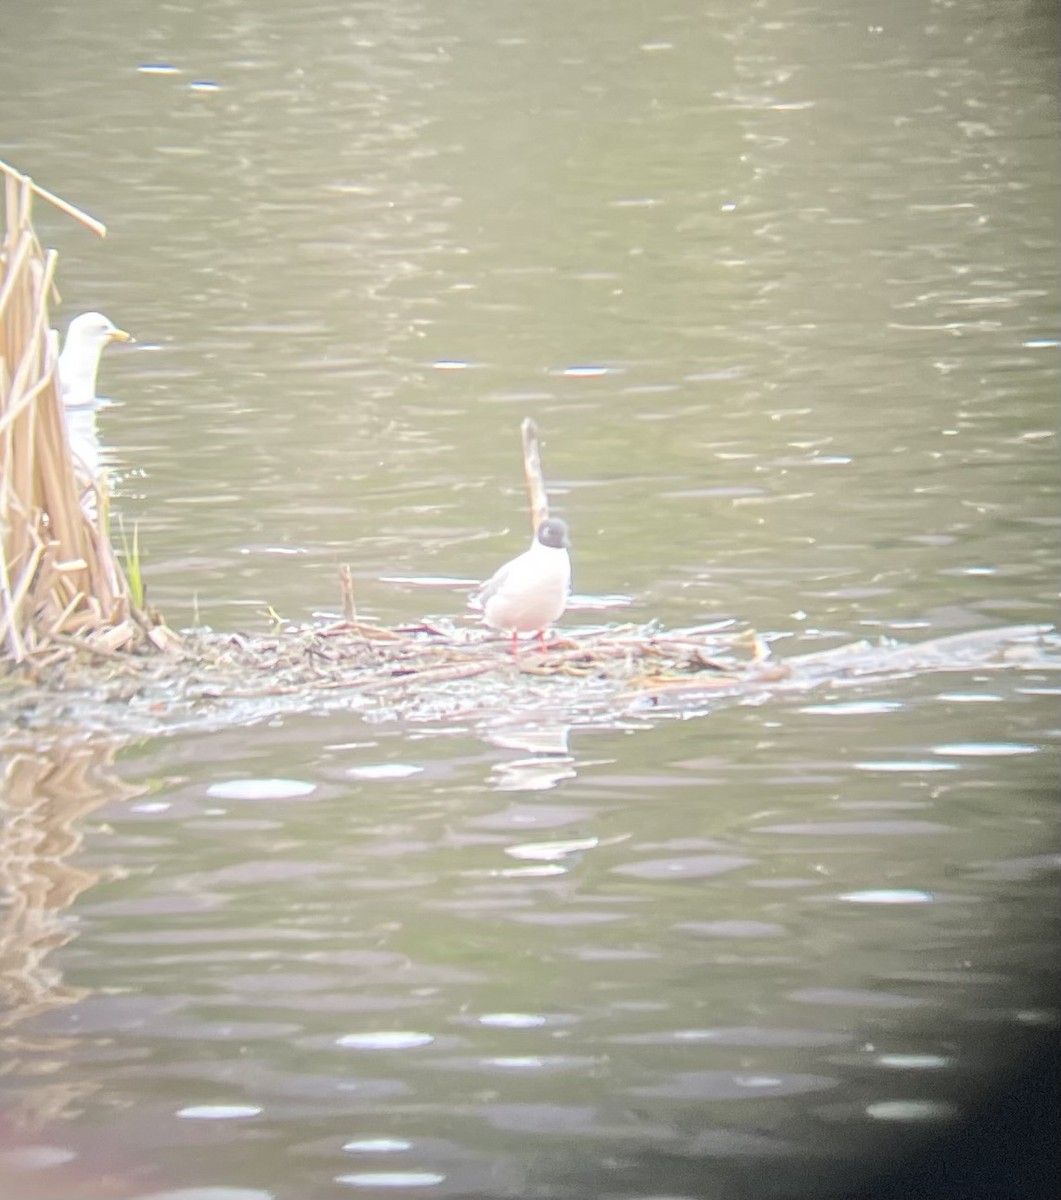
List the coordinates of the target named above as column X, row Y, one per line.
column 532, row 470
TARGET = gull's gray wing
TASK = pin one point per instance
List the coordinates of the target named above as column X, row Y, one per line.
column 492, row 586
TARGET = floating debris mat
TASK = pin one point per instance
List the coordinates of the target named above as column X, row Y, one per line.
column 438, row 672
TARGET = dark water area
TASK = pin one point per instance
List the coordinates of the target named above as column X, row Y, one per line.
column 778, row 283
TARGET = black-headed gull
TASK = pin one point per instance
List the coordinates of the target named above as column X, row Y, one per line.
column 527, row 594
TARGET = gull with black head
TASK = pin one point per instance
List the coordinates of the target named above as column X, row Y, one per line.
column 529, row 593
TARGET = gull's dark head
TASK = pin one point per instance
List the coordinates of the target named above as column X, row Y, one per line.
column 554, row 533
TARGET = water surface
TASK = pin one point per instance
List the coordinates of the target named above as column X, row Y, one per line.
column 779, row 285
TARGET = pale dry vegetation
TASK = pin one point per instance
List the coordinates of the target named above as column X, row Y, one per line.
column 62, row 588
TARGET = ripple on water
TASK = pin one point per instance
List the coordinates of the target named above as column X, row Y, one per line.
column 734, row 1036
column 856, row 828
column 914, row 1062
column 539, row 1062
column 561, row 1119
column 567, row 917
column 218, row 1112
column 913, row 765
column 699, row 866
column 854, row 708
column 509, row 1020
column 392, row 1179
column 260, row 789
column 377, row 1146
column 531, row 775
column 531, row 816
column 725, row 1085
column 888, row 896
column 550, row 851
column 384, row 1040
column 208, row 1193
column 732, row 929
column 518, row 1063
column 35, row 1158
column 912, row 1110
column 984, row 749
column 854, row 998
column 384, row 771
column 536, row 872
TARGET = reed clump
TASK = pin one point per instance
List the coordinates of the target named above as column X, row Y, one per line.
column 62, row 588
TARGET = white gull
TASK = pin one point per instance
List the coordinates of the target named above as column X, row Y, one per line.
column 527, row 594
column 86, row 338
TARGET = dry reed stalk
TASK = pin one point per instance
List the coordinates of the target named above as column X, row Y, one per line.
column 58, row 572
column 532, row 472
column 346, row 589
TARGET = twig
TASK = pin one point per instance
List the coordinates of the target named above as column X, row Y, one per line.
column 64, row 639
column 532, row 470
column 373, row 632
column 63, row 205
column 346, row 591
column 444, row 674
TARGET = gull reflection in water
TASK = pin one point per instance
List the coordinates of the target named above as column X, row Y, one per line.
column 550, row 763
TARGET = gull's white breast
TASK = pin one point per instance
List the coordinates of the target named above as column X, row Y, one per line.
column 528, row 593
